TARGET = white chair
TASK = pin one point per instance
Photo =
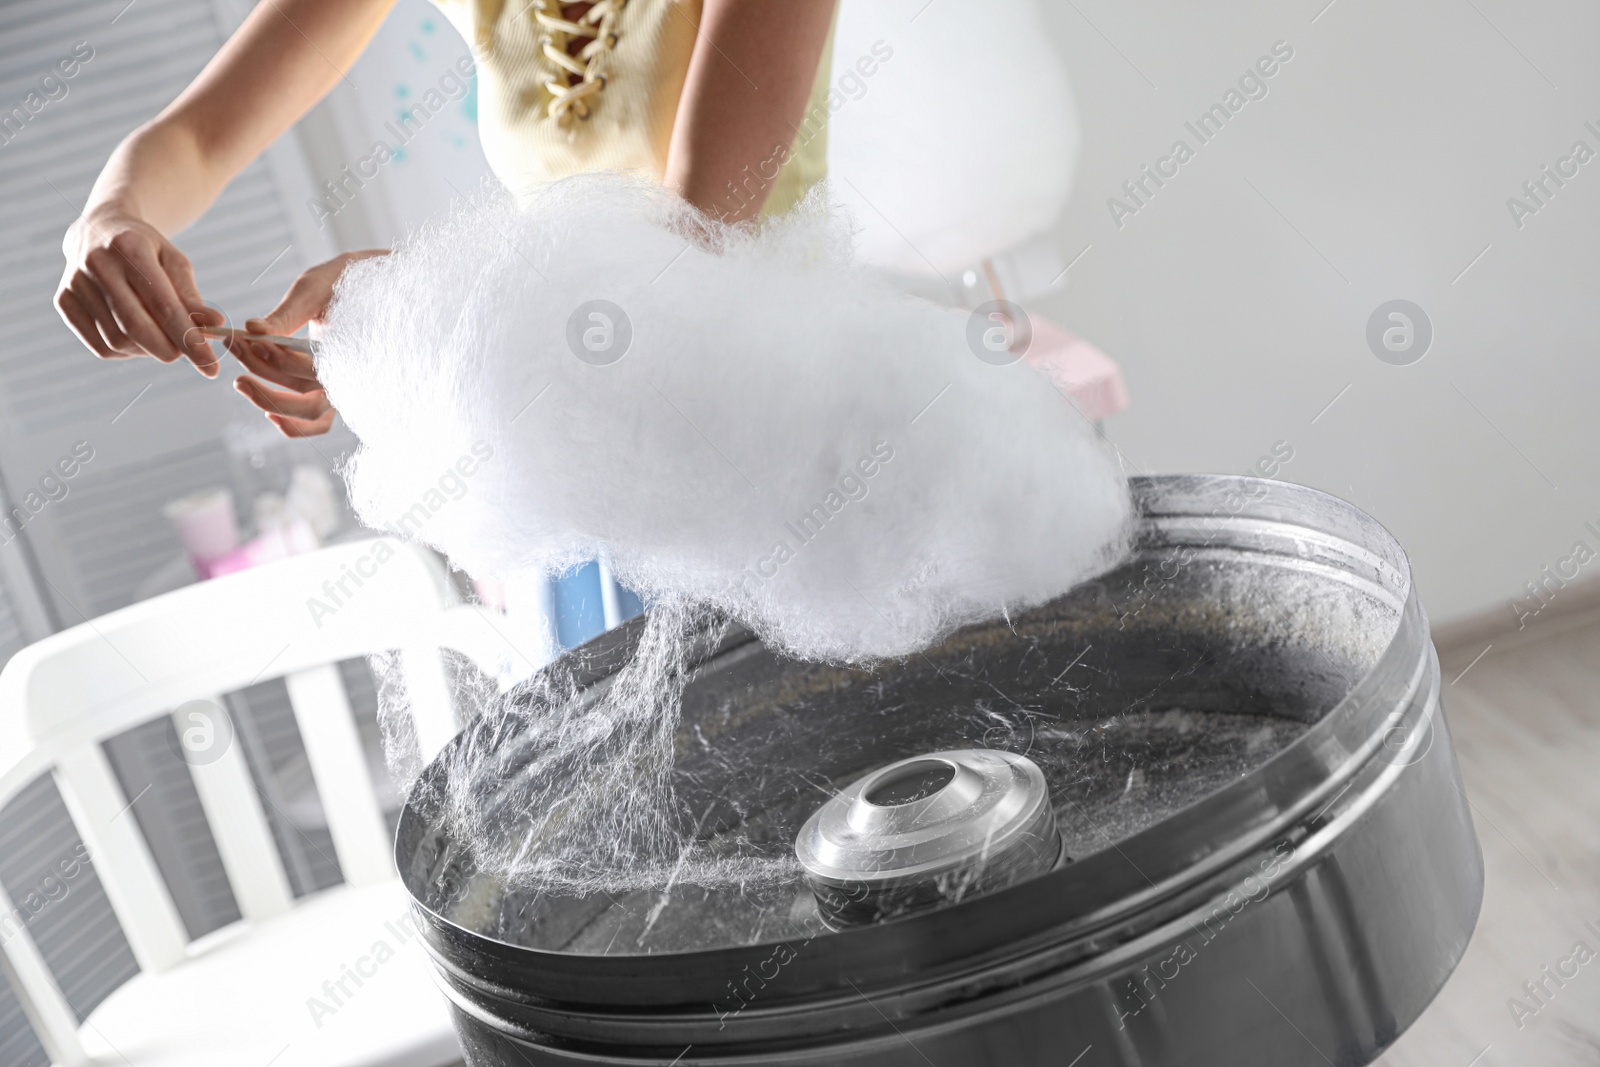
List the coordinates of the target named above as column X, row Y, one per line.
column 337, row 978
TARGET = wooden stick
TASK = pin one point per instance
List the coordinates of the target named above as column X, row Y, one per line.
column 228, row 333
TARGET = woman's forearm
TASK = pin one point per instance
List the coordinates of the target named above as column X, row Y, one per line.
column 746, row 91
column 159, row 174
column 283, row 59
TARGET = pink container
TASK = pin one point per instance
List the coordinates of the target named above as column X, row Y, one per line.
column 1078, row 369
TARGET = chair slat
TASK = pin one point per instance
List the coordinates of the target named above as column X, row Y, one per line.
column 52, row 1018
column 239, row 825
column 122, row 861
column 428, row 694
column 339, row 766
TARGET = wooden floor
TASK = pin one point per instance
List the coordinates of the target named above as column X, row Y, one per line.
column 1526, row 721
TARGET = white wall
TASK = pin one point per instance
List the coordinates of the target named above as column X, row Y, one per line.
column 1390, row 142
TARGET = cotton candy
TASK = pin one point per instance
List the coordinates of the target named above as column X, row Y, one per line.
column 751, row 423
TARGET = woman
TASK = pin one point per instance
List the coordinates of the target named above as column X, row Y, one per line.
column 699, row 94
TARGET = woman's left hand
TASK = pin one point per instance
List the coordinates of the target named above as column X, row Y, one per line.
column 300, row 408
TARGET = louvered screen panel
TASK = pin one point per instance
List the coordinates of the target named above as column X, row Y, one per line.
column 19, row 1045
column 277, row 758
column 127, row 501
column 149, row 767
column 69, row 916
column 12, row 636
column 155, row 431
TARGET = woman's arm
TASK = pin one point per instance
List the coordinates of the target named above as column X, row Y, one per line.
column 127, row 290
column 748, row 83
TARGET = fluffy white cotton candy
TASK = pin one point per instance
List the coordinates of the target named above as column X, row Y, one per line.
column 782, row 438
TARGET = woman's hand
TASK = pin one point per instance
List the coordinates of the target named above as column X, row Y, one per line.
column 300, row 408
column 128, row 291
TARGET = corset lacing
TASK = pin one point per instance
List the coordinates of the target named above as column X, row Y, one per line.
column 576, row 99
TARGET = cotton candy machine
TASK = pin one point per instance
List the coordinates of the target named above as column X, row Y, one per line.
column 1202, row 810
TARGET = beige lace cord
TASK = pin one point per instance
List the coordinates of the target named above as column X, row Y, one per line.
column 574, row 100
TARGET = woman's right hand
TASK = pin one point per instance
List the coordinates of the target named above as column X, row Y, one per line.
column 128, row 291
column 300, row 408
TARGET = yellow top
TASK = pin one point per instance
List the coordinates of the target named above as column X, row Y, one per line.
column 544, row 113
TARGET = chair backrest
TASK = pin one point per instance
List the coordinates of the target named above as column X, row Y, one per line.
column 177, row 655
